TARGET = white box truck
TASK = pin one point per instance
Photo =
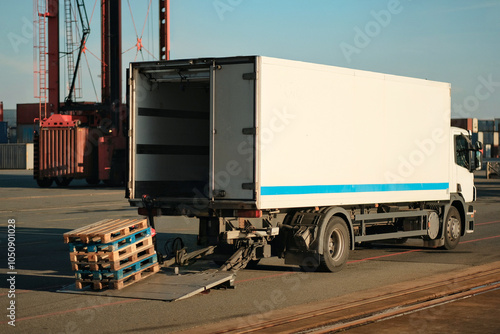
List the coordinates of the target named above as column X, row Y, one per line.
column 345, row 156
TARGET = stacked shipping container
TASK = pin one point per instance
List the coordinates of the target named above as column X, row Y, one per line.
column 485, row 131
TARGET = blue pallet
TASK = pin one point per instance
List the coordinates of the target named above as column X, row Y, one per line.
column 112, row 246
column 107, row 274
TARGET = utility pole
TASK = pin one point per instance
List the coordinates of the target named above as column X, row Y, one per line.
column 164, row 29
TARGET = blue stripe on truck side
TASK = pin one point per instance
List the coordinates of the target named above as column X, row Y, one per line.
column 350, row 188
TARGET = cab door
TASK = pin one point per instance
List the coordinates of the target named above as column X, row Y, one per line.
column 464, row 177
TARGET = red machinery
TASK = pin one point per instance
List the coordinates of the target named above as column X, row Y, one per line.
column 83, row 140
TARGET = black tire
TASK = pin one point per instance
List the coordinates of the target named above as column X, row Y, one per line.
column 310, row 264
column 452, row 229
column 44, row 183
column 63, row 181
column 336, row 245
column 92, row 181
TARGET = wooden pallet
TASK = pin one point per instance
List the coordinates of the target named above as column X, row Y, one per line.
column 95, row 285
column 116, row 245
column 105, row 264
column 117, row 284
column 128, row 270
column 136, row 277
column 105, row 231
column 111, row 256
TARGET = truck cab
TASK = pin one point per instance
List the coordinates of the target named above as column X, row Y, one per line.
column 467, row 159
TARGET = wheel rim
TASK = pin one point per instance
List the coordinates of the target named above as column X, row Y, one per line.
column 336, row 244
column 453, row 228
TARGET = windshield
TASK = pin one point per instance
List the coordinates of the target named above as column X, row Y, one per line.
column 461, row 151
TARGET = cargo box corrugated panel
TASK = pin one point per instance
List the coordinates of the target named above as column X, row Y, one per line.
column 487, row 151
column 3, row 133
column 25, row 133
column 486, row 125
column 488, row 138
column 464, row 123
column 495, row 151
column 12, row 156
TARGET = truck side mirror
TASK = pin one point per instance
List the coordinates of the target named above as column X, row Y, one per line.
column 475, row 157
column 478, row 160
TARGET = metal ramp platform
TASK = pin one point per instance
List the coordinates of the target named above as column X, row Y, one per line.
column 165, row 285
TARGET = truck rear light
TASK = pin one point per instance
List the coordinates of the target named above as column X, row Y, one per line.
column 248, row 213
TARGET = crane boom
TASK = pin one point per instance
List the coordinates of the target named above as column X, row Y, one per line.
column 84, row 21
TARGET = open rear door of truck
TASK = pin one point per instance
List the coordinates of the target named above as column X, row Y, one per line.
column 234, row 129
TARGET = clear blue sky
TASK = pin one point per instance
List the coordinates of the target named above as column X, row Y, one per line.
column 456, row 41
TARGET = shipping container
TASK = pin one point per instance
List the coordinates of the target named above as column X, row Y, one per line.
column 16, row 156
column 495, row 138
column 25, row 133
column 474, row 137
column 4, row 139
column 497, row 124
column 488, row 137
column 12, row 134
column 486, row 125
column 469, row 124
column 487, row 151
column 63, row 152
column 27, row 112
column 30, row 159
column 480, row 137
column 495, row 152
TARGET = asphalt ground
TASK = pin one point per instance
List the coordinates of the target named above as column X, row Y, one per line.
column 42, row 265
column 475, row 314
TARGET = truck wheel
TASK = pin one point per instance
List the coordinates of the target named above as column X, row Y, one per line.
column 452, row 229
column 335, row 246
column 44, row 183
column 92, row 181
column 63, row 181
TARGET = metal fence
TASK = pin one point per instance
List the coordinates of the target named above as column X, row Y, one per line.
column 492, row 169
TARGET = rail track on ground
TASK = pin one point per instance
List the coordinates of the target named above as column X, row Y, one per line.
column 340, row 315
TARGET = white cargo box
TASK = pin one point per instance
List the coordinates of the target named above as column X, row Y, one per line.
column 265, row 133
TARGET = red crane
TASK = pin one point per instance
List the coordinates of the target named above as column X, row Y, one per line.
column 83, row 140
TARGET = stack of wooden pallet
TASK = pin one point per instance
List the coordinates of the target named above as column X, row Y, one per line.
column 112, row 253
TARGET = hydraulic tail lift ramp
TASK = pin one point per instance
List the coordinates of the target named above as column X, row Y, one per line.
column 165, row 285
column 176, row 281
